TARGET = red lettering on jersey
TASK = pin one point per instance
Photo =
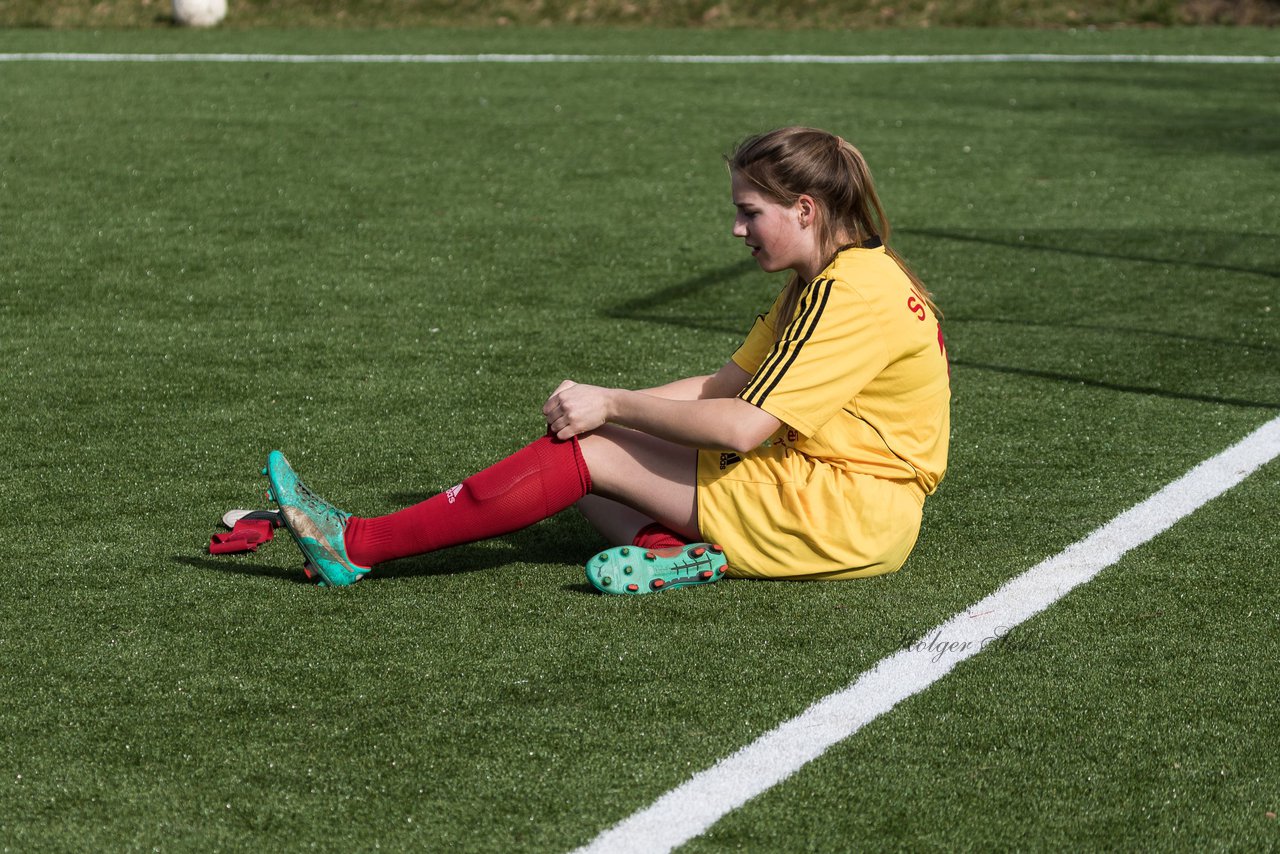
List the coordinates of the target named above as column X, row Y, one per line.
column 916, row 307
column 942, row 348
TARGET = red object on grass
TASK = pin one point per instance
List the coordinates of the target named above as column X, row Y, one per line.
column 246, row 536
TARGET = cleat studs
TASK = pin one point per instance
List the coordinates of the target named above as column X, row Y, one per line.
column 633, row 588
column 657, row 584
column 606, row 581
column 603, row 558
column 628, row 570
column 650, row 556
column 705, row 575
column 698, row 552
column 624, row 551
column 720, row 570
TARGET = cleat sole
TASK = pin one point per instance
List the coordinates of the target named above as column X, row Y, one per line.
column 659, row 569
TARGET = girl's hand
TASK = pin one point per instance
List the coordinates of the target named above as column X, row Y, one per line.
column 574, row 409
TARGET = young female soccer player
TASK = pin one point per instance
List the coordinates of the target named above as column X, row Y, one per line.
column 808, row 455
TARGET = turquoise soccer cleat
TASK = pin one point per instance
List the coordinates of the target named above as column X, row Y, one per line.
column 316, row 525
column 630, row 570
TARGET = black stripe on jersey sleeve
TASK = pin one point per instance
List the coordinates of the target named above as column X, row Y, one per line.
column 788, row 349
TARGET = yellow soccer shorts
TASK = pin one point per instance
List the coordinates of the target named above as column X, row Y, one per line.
column 780, row 514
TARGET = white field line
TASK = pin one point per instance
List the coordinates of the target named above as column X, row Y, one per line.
column 691, row 808
column 676, row 59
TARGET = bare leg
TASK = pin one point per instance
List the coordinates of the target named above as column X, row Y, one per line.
column 650, row 476
column 617, row 523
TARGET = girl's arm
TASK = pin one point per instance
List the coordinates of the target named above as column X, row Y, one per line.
column 726, row 382
column 715, row 419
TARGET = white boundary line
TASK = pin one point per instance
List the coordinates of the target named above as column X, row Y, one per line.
column 693, row 807
column 659, row 59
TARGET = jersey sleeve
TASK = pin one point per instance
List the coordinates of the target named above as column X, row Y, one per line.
column 828, row 352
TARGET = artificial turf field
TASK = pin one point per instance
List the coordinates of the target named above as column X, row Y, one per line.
column 384, row 269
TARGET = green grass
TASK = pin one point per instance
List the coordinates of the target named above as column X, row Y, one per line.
column 384, row 270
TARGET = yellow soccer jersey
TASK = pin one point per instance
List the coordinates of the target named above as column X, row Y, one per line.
column 859, row 376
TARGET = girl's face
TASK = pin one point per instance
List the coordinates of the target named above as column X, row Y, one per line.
column 779, row 237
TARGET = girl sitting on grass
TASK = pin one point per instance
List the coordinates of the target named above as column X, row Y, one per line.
column 808, row 455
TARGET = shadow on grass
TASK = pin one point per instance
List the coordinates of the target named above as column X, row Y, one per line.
column 1145, row 391
column 659, row 307
column 1095, row 246
column 1248, row 346
column 232, row 566
column 558, row 541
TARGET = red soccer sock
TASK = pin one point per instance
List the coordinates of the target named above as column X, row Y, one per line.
column 658, row 536
column 535, row 482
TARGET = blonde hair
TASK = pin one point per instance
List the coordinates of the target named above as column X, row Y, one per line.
column 789, row 162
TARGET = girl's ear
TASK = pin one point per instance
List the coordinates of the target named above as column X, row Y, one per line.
column 806, row 210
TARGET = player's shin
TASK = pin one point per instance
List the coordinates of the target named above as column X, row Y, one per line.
column 537, row 481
